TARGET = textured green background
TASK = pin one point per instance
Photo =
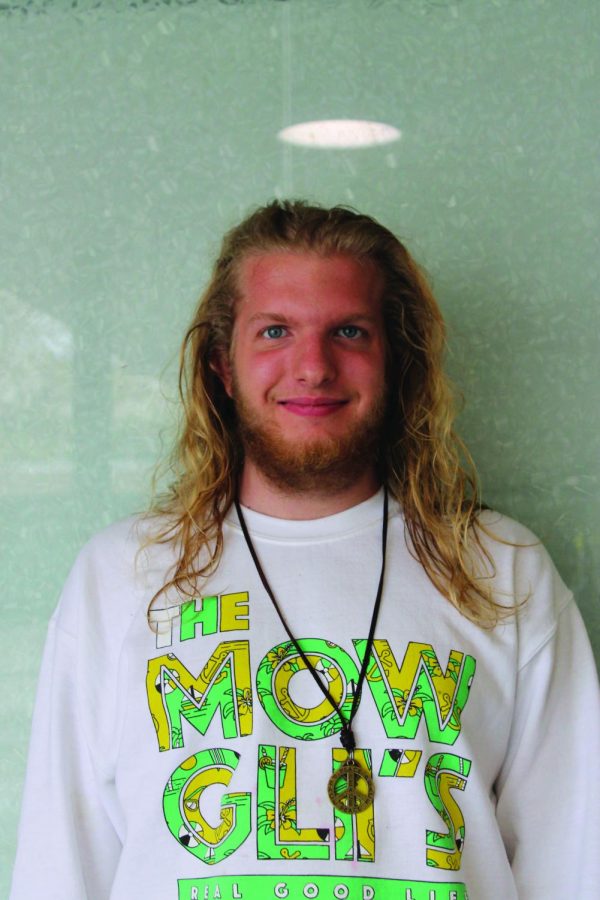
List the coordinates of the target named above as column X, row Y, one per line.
column 133, row 133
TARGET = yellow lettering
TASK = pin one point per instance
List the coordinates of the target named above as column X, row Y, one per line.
column 234, row 612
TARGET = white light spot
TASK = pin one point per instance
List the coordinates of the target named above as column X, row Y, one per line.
column 331, row 133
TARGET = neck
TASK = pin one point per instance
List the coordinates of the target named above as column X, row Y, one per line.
column 261, row 495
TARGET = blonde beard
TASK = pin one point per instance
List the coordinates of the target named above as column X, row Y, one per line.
column 324, row 466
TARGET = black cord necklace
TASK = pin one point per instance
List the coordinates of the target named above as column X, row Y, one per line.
column 350, row 788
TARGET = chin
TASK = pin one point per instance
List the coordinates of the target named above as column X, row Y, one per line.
column 323, row 464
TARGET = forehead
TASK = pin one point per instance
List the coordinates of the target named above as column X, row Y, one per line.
column 288, row 278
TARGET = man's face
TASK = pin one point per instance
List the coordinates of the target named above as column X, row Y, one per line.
column 306, row 369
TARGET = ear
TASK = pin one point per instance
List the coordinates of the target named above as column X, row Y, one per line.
column 221, row 366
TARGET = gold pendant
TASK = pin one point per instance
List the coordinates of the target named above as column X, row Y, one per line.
column 350, row 788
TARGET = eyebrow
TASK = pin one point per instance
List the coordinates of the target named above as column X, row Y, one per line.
column 272, row 317
column 286, row 320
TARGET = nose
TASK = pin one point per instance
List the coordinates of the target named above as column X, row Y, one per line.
column 314, row 361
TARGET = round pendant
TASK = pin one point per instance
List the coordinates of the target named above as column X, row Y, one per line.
column 350, row 788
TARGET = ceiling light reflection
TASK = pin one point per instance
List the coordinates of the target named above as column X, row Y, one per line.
column 332, row 133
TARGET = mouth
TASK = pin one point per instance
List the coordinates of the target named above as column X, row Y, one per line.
column 312, row 406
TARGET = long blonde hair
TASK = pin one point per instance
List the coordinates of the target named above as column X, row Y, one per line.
column 423, row 462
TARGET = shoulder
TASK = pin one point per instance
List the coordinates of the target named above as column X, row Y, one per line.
column 526, row 579
column 505, row 527
column 116, row 547
column 519, row 556
column 113, row 574
column 121, row 537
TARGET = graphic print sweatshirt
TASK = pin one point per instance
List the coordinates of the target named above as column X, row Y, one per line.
column 191, row 760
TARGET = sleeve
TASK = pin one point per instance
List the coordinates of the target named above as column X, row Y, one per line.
column 548, row 796
column 68, row 847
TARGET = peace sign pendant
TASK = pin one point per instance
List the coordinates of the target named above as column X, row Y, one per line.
column 350, row 788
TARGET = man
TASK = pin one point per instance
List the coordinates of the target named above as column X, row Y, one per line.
column 356, row 682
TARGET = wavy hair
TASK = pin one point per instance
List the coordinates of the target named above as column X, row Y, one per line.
column 423, row 462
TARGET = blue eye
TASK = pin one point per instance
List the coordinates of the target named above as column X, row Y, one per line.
column 274, row 331
column 351, row 331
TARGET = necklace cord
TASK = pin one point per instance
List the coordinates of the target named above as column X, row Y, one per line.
column 346, row 735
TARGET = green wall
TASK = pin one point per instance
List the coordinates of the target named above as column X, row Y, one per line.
column 133, row 133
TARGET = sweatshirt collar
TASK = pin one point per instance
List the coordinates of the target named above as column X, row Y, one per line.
column 356, row 518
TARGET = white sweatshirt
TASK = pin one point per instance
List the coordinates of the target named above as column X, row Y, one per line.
column 192, row 762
